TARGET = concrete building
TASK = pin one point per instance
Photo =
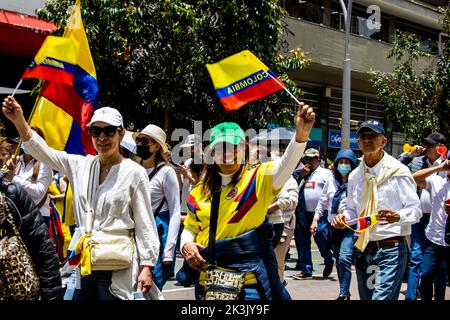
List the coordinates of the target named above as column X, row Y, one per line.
column 317, row 26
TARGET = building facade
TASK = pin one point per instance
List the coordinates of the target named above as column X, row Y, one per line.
column 317, row 27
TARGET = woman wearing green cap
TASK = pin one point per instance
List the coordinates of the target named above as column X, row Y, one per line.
column 243, row 194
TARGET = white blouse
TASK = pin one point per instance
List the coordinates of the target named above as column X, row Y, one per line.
column 122, row 202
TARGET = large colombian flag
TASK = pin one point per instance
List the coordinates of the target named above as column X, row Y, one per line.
column 69, row 95
column 242, row 78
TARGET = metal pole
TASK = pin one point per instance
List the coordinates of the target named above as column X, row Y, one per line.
column 346, row 81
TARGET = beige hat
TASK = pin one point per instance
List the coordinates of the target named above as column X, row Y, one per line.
column 311, row 152
column 155, row 133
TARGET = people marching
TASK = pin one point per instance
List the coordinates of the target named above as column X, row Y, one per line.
column 232, row 210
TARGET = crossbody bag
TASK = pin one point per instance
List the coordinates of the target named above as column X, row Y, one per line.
column 110, row 251
column 220, row 284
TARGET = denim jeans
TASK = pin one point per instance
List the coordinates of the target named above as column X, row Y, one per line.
column 435, row 265
column 418, row 240
column 95, row 287
column 380, row 271
column 342, row 241
column 302, row 236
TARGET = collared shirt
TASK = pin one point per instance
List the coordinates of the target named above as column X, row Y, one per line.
column 439, row 189
column 37, row 190
column 314, row 185
column 396, row 193
column 326, row 200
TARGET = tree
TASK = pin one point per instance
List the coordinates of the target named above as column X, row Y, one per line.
column 150, row 56
column 417, row 99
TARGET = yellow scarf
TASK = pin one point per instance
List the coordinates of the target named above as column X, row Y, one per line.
column 83, row 247
column 390, row 168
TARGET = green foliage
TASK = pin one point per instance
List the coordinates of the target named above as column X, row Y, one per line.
column 416, row 100
column 150, row 56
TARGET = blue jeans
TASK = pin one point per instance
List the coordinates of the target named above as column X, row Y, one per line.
column 435, row 263
column 95, row 287
column 418, row 240
column 162, row 272
column 302, row 236
column 380, row 271
column 342, row 241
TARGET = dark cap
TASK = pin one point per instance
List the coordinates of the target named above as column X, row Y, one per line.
column 373, row 125
column 434, row 138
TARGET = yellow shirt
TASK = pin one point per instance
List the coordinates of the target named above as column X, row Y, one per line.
column 242, row 207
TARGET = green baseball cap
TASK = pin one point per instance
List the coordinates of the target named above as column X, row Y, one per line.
column 228, row 132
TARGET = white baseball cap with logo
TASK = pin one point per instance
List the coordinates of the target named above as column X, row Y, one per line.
column 155, row 133
column 109, row 115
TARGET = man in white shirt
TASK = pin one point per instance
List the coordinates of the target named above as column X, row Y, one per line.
column 311, row 179
column 383, row 187
column 436, row 251
column 424, row 156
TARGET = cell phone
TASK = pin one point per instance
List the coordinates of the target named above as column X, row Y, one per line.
column 138, row 295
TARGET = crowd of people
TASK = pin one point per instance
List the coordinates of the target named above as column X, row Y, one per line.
column 231, row 210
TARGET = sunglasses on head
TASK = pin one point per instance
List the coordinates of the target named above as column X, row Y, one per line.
column 109, row 131
column 144, row 141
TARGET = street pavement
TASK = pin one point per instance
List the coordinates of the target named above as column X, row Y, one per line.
column 316, row 288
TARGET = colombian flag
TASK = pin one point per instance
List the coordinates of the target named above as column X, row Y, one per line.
column 55, row 61
column 362, row 223
column 242, row 78
column 68, row 97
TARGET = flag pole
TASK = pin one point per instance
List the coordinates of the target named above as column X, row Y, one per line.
column 17, row 87
column 284, row 87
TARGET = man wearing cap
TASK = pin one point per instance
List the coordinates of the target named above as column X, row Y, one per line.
column 311, row 180
column 436, row 247
column 383, row 188
column 424, row 156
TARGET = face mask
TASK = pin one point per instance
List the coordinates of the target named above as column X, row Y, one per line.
column 344, row 169
column 143, row 152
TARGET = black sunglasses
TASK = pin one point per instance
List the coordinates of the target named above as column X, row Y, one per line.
column 108, row 130
column 144, row 141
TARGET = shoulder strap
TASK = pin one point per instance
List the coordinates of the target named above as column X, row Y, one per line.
column 150, row 177
column 215, row 203
column 154, row 172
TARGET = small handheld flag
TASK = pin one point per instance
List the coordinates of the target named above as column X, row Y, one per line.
column 362, row 223
column 242, row 78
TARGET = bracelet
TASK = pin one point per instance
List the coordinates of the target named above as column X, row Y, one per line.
column 148, row 266
column 28, row 134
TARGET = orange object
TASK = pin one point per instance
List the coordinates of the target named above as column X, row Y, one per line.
column 442, row 150
column 408, row 148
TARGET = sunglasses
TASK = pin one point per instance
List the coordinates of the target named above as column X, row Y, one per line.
column 144, row 141
column 109, row 131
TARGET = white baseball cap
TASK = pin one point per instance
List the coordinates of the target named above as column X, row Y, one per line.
column 191, row 140
column 109, row 115
column 155, row 133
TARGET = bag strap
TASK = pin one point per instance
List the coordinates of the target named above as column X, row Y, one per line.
column 154, row 172
column 150, row 177
column 215, row 203
column 89, row 190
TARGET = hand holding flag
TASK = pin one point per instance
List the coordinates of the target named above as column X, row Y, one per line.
column 242, row 78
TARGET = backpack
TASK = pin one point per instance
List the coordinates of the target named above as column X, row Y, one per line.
column 18, row 278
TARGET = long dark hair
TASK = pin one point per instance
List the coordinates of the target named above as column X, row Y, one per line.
column 212, row 172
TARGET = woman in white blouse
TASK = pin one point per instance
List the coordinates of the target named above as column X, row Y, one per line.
column 120, row 202
column 152, row 149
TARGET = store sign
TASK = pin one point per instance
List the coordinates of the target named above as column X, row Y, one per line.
column 334, row 139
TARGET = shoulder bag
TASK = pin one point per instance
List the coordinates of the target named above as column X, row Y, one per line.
column 18, row 278
column 110, row 251
column 220, row 284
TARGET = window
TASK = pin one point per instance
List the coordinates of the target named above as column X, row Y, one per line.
column 309, row 10
column 429, row 38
